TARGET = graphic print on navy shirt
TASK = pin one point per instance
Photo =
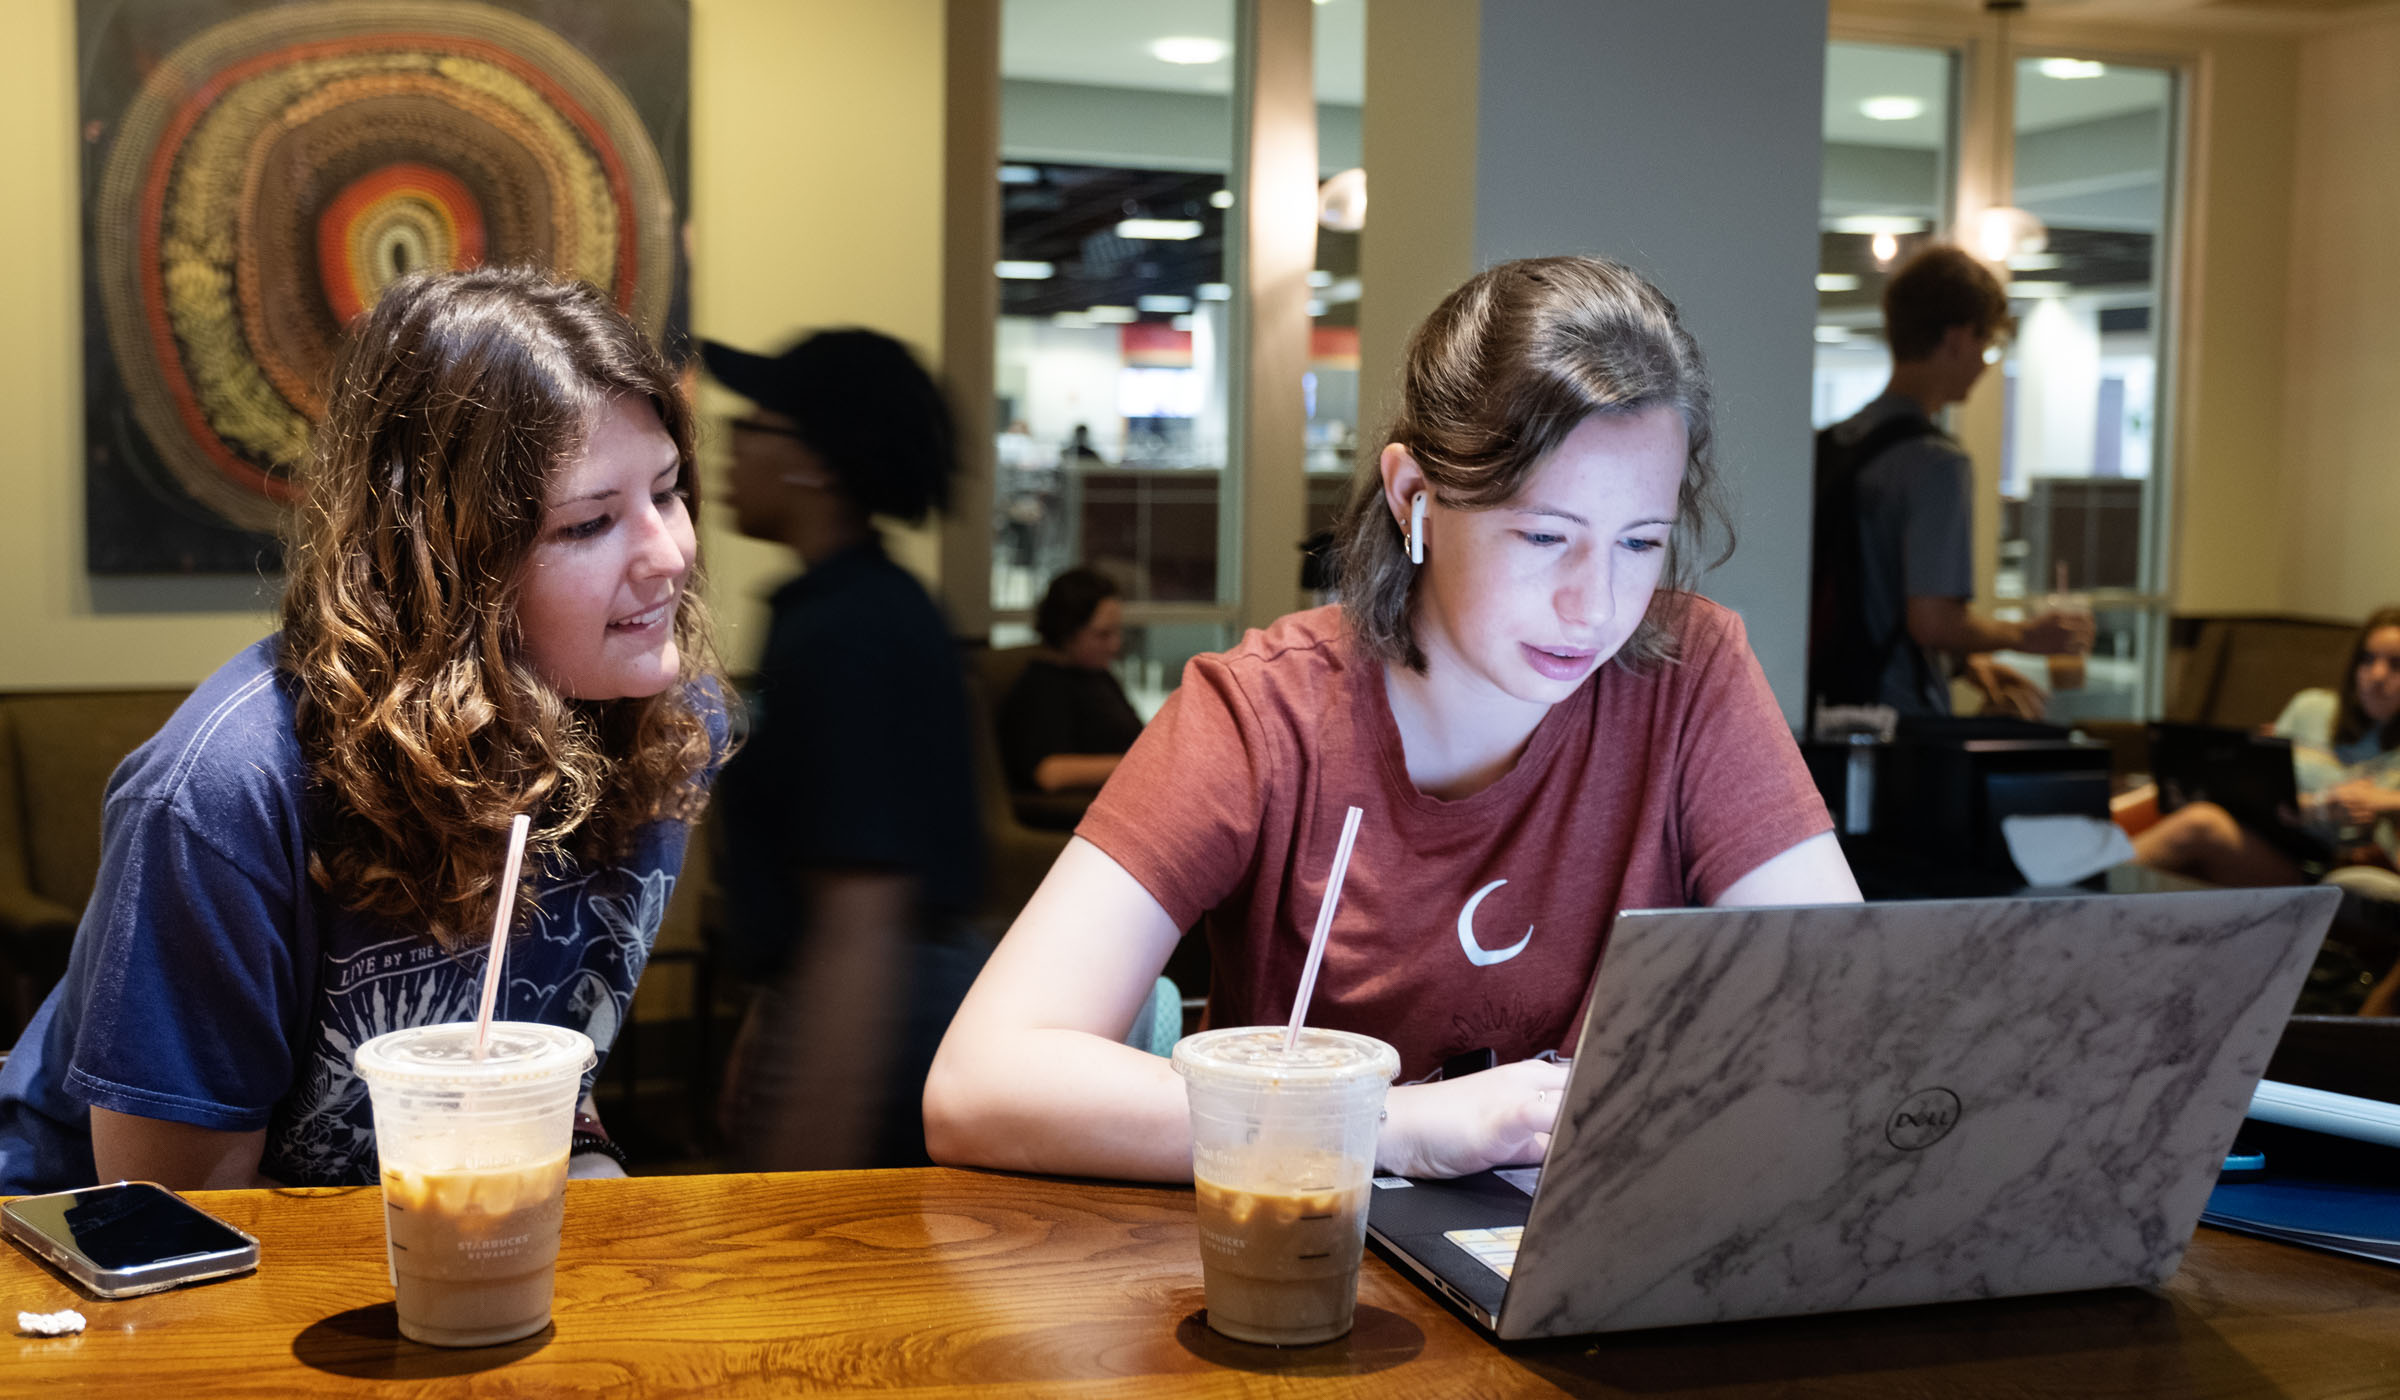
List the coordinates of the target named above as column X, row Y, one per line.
column 576, row 966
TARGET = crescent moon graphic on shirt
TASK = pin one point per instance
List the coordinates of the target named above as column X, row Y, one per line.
column 1476, row 952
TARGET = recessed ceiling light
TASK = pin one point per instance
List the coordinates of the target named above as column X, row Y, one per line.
column 2070, row 68
column 1111, row 315
column 1163, row 303
column 1877, row 223
column 1222, row 199
column 1168, row 229
column 1892, row 109
column 1188, row 49
column 1837, row 282
column 1014, row 270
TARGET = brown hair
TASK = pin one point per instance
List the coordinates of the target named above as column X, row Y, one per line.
column 2351, row 722
column 1494, row 380
column 1942, row 286
column 1069, row 602
column 425, row 729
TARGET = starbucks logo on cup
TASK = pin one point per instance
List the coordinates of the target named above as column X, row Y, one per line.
column 1922, row 1119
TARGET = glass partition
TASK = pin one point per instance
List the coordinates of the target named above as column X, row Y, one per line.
column 2083, row 508
column 1112, row 393
column 1330, row 387
column 1890, row 161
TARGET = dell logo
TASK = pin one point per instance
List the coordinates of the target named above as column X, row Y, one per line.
column 1922, row 1119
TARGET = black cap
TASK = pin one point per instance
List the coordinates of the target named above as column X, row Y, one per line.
column 861, row 402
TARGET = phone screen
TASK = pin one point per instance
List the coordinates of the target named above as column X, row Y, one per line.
column 129, row 1224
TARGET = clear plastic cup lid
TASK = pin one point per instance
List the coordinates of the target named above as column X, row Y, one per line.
column 1255, row 1054
column 434, row 1057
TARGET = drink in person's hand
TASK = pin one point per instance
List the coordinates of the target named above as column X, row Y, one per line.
column 1283, row 1146
column 1279, row 1252
column 474, row 1160
column 473, row 1251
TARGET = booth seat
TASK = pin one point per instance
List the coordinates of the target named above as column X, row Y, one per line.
column 57, row 749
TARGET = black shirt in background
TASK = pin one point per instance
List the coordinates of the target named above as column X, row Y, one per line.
column 1055, row 709
column 859, row 756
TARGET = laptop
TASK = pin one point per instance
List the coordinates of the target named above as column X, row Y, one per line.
column 1777, row 1111
column 2247, row 774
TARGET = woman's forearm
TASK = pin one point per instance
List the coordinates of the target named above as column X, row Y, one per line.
column 1074, row 770
column 1060, row 1101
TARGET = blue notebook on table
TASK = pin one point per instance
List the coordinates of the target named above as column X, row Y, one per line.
column 2332, row 1174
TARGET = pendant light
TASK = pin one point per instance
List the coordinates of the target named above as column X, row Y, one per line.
column 2003, row 231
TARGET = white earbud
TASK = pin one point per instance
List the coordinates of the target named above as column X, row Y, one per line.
column 1416, row 528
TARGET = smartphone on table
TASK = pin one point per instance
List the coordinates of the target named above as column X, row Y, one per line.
column 128, row 1238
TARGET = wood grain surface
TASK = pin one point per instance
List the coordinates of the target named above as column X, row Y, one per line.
column 937, row 1283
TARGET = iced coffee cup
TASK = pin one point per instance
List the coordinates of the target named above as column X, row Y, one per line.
column 1283, row 1148
column 474, row 1156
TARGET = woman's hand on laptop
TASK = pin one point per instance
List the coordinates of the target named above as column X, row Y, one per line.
column 1455, row 1127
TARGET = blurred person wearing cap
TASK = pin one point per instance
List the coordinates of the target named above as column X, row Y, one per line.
column 852, row 848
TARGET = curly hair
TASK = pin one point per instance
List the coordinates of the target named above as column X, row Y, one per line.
column 1494, row 380
column 425, row 728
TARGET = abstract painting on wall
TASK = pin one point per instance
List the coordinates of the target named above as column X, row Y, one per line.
column 256, row 171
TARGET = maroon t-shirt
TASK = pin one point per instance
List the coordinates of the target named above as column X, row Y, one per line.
column 1464, row 924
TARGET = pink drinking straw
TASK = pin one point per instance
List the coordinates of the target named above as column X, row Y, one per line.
column 517, row 830
column 1316, row 943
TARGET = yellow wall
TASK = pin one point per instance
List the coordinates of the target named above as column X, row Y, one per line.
column 816, row 200
column 49, row 634
column 2342, row 430
column 1419, row 150
column 2228, row 557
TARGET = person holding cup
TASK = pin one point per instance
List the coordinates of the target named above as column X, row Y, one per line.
column 489, row 609
column 1539, row 722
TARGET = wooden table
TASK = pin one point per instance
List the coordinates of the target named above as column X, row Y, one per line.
column 954, row 1283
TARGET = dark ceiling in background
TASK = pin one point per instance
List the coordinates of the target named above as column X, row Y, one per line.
column 2088, row 260
column 1067, row 217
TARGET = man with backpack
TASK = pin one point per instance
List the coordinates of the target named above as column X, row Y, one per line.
column 1894, row 562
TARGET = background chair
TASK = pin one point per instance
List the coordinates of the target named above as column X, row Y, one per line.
column 57, row 751
column 1016, row 854
column 2240, row 671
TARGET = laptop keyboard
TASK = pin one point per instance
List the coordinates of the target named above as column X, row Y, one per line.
column 1495, row 1248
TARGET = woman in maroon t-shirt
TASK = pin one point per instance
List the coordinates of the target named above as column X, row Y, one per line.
column 1548, row 471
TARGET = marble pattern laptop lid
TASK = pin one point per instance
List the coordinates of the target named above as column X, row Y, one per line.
column 1808, row 1110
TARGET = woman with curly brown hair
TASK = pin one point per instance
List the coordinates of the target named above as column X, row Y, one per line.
column 1536, row 718
column 489, row 609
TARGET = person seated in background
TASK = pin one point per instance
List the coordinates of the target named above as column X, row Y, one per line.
column 1066, row 722
column 1519, row 693
column 2346, row 765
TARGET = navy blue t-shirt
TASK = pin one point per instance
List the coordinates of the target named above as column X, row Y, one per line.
column 212, row 983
